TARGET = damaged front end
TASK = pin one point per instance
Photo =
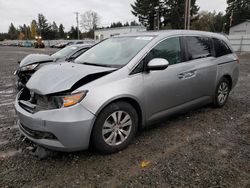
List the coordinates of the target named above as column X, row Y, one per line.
column 49, row 120
column 54, row 86
column 49, row 110
column 23, row 76
column 32, row 102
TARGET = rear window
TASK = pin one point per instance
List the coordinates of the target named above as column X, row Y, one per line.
column 198, row 47
column 221, row 48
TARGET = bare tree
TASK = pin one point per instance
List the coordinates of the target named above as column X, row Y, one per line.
column 89, row 20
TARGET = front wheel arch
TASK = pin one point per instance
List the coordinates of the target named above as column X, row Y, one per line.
column 132, row 102
column 229, row 78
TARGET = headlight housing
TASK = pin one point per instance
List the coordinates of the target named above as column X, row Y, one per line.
column 29, row 67
column 67, row 100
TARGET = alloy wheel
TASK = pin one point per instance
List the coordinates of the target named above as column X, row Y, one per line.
column 223, row 91
column 117, row 128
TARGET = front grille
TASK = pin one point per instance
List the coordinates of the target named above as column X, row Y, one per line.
column 37, row 134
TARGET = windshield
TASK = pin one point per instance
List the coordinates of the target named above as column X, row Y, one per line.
column 64, row 52
column 114, row 52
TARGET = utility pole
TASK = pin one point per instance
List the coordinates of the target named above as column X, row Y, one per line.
column 159, row 19
column 77, row 22
column 232, row 15
column 187, row 14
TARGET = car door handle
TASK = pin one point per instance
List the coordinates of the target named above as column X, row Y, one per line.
column 187, row 75
column 181, row 76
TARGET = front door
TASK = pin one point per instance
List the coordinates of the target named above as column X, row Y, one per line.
column 174, row 86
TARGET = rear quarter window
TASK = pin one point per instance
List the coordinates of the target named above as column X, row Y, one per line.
column 198, row 47
column 221, row 48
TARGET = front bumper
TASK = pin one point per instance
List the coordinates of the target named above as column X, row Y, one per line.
column 65, row 129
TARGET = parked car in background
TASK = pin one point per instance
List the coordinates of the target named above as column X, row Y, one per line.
column 26, row 44
column 61, row 44
column 67, row 43
column 33, row 62
column 124, row 83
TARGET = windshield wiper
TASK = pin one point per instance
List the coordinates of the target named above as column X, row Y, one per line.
column 96, row 64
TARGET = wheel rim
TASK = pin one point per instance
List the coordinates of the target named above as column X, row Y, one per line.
column 117, row 128
column 223, row 92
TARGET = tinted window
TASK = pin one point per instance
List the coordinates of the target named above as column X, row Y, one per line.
column 221, row 48
column 169, row 49
column 198, row 47
column 75, row 55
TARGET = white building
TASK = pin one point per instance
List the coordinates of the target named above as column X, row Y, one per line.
column 101, row 34
column 241, row 29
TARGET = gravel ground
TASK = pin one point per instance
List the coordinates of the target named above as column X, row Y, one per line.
column 204, row 148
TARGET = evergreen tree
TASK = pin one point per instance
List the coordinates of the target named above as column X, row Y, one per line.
column 152, row 12
column 219, row 22
column 54, row 31
column 237, row 12
column 126, row 24
column 44, row 27
column 145, row 10
column 13, row 33
column 118, row 24
column 61, row 31
column 175, row 13
column 25, row 30
column 28, row 32
column 209, row 21
column 134, row 23
column 3, row 36
column 73, row 32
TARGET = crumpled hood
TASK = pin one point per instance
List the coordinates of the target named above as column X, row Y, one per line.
column 35, row 58
column 61, row 77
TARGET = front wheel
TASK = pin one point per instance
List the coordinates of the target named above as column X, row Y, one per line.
column 222, row 93
column 115, row 127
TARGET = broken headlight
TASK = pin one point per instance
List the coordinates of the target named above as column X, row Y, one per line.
column 67, row 100
column 29, row 67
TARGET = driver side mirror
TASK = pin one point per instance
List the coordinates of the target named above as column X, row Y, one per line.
column 157, row 64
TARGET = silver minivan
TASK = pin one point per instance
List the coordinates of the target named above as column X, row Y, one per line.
column 122, row 84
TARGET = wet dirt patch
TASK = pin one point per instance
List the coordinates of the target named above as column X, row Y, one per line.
column 10, row 153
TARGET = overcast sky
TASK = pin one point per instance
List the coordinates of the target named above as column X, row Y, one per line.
column 62, row 11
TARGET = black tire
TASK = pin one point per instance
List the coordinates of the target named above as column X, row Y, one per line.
column 217, row 103
column 98, row 140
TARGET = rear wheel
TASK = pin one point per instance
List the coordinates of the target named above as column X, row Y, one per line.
column 115, row 127
column 222, row 93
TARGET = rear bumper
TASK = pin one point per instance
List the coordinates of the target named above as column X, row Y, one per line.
column 65, row 129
